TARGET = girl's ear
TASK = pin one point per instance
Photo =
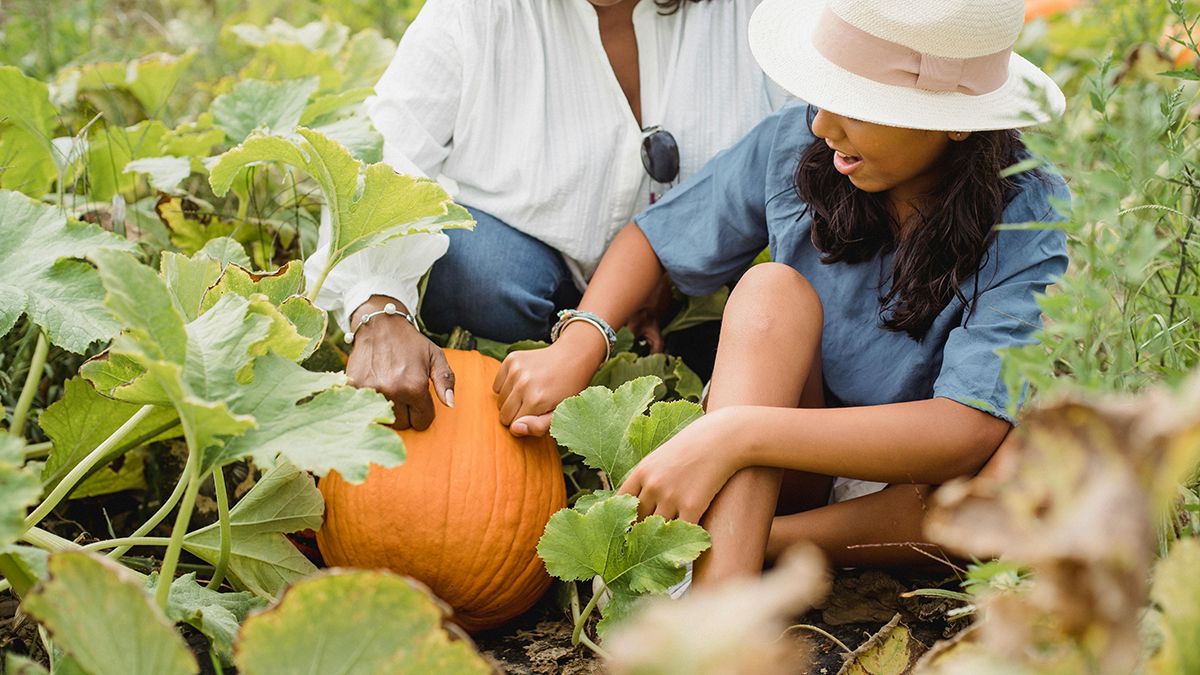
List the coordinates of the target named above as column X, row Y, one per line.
column 959, row 135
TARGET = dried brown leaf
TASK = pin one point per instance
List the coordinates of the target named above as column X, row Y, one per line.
column 731, row 630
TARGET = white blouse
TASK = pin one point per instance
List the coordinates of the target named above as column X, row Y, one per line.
column 512, row 105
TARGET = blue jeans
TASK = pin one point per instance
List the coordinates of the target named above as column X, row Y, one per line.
column 497, row 283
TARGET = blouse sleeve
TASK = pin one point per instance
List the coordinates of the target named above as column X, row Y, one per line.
column 711, row 227
column 1021, row 264
column 414, row 108
column 416, row 100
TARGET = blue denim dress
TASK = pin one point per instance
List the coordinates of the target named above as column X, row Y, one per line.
column 709, row 229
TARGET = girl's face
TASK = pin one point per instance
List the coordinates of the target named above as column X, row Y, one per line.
column 876, row 158
column 608, row 3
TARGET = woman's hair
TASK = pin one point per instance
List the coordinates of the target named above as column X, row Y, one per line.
column 669, row 6
column 939, row 252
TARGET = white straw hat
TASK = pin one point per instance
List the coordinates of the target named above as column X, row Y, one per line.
column 944, row 65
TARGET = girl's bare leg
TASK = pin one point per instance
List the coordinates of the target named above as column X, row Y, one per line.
column 877, row 530
column 884, row 529
column 769, row 355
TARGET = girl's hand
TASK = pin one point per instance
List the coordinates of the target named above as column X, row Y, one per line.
column 682, row 476
column 532, row 383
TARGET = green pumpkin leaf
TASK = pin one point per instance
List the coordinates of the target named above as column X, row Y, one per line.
column 217, row 615
column 141, row 642
column 188, row 279
column 331, row 103
column 388, row 205
column 632, row 560
column 23, row 566
column 154, row 78
column 164, row 173
column 112, row 148
column 37, row 278
column 578, row 546
column 192, row 139
column 80, row 421
column 699, row 310
column 27, row 124
column 263, row 561
column 365, row 57
column 277, row 286
column 317, row 428
column 314, row 36
column 192, row 228
column 227, row 250
column 365, row 621
column 609, row 430
column 267, row 107
column 595, row 424
column 19, row 489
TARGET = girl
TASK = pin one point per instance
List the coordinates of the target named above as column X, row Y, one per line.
column 867, row 350
column 553, row 122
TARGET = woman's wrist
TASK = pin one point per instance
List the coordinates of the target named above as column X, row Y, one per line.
column 374, row 304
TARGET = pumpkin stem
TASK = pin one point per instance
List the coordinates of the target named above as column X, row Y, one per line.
column 460, row 338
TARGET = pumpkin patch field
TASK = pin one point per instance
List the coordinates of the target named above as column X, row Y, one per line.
column 189, row 483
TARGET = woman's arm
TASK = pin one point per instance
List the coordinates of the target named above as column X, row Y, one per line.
column 531, row 383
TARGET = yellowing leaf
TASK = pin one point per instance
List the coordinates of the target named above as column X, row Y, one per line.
column 372, row 622
column 118, row 631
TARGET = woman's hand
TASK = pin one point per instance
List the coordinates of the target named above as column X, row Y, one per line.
column 682, row 476
column 532, row 383
column 392, row 357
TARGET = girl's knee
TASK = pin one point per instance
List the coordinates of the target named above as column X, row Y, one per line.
column 768, row 288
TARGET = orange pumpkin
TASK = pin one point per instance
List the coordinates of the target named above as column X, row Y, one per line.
column 1048, row 8
column 463, row 514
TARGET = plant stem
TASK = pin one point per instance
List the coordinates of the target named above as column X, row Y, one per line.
column 581, row 620
column 599, row 651
column 162, row 512
column 38, row 450
column 226, row 529
column 127, row 542
column 48, row 541
column 175, row 546
column 819, row 631
column 32, row 379
column 316, row 289
column 68, row 483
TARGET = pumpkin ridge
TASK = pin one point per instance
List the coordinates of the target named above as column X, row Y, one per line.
column 503, row 573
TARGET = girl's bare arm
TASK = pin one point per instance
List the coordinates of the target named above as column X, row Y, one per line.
column 531, row 383
column 928, row 441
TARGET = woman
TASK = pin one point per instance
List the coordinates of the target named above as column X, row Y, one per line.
column 868, row 351
column 532, row 113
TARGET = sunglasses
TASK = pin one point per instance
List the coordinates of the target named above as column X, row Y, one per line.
column 660, row 154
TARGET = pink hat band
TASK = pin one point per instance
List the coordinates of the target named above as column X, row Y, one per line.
column 886, row 62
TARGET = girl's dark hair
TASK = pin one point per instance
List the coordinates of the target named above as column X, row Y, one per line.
column 669, row 6
column 939, row 252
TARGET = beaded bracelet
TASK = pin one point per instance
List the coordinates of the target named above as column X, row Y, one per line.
column 568, row 316
column 389, row 309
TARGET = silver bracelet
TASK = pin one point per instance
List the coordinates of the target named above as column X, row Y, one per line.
column 389, row 309
column 569, row 316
